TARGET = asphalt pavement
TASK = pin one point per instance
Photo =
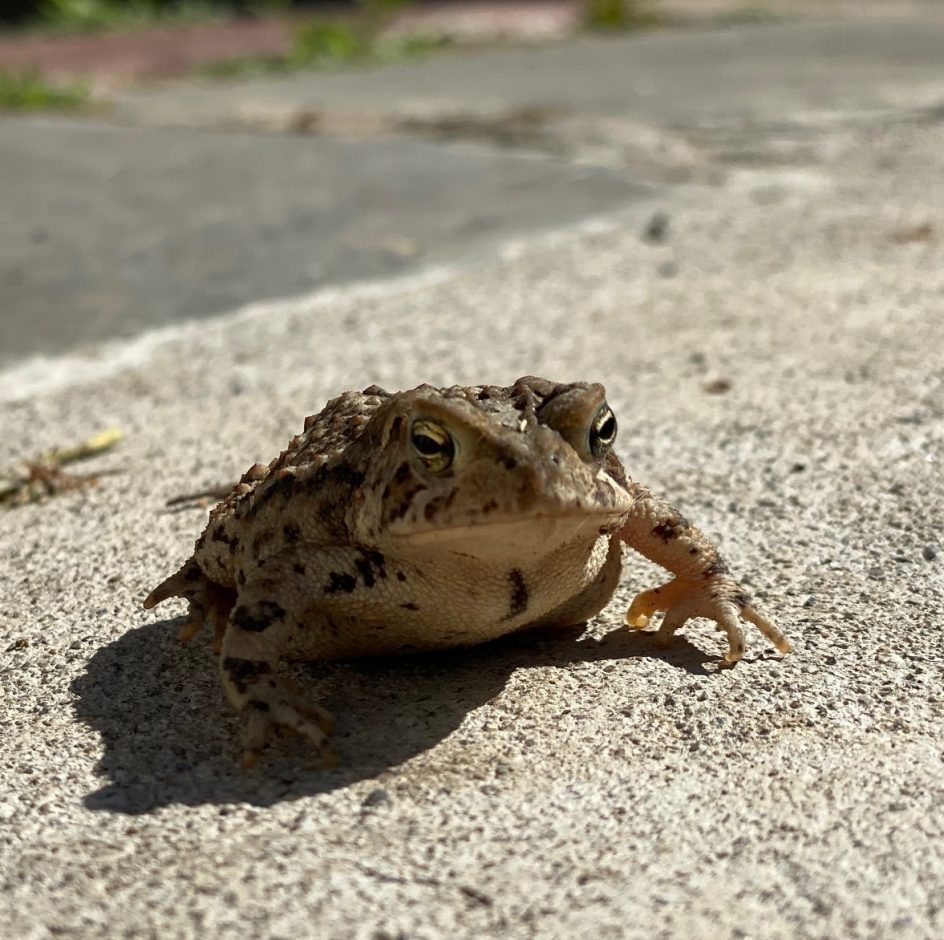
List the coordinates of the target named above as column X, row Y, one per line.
column 114, row 230
column 756, row 274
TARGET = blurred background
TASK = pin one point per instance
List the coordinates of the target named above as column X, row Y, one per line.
column 167, row 160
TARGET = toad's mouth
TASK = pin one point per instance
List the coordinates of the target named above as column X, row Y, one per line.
column 531, row 535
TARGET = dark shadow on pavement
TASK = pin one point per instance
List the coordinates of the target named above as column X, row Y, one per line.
column 170, row 737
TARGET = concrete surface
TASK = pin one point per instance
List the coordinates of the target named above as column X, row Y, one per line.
column 550, row 786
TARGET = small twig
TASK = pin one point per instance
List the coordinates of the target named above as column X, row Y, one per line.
column 37, row 479
column 90, row 447
column 200, row 499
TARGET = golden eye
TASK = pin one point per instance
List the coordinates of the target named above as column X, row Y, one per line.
column 602, row 431
column 432, row 444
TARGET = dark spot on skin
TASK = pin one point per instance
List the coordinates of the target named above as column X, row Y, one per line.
column 715, row 567
column 340, row 583
column 401, row 576
column 693, row 551
column 241, row 578
column 432, row 508
column 299, row 568
column 346, row 475
column 365, row 571
column 263, row 538
column 292, row 532
column 409, row 606
column 490, row 506
column 192, row 573
column 519, row 593
column 257, row 617
column 400, row 493
column 370, row 566
column 614, row 469
column 665, row 531
column 508, row 462
column 395, row 426
column 256, row 705
column 332, row 515
column 671, row 528
column 237, row 668
column 240, row 671
column 283, row 486
column 219, row 535
column 405, row 504
column 377, row 560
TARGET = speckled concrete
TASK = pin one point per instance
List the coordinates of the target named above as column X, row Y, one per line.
column 554, row 786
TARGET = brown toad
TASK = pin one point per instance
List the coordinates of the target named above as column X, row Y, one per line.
column 435, row 518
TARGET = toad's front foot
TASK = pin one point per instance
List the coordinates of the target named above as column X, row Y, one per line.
column 718, row 598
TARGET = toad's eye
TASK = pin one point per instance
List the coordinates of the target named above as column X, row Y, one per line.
column 432, row 444
column 602, row 431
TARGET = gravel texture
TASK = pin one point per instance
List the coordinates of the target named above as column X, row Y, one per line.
column 775, row 361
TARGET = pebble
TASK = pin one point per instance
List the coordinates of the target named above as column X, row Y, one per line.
column 377, row 797
column 657, row 229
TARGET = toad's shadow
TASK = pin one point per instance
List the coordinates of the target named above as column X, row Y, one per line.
column 170, row 737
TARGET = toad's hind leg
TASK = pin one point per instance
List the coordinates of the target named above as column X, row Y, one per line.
column 255, row 637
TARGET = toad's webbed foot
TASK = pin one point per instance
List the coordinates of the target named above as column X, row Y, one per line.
column 719, row 598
